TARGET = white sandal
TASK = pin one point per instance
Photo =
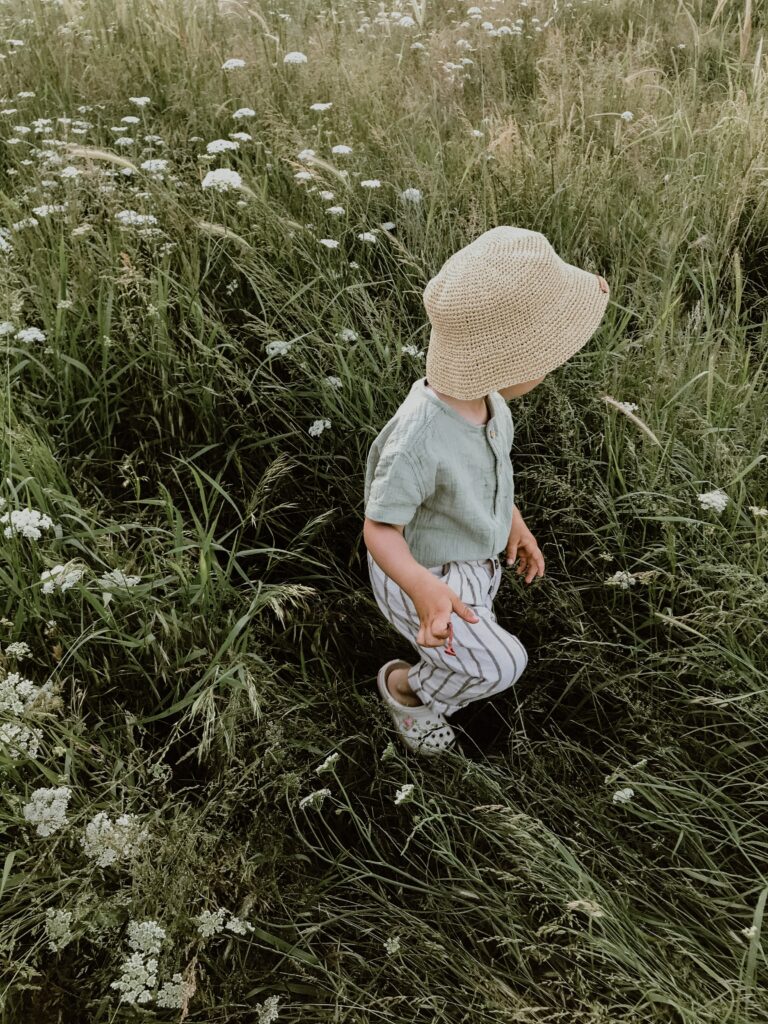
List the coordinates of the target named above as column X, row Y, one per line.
column 421, row 729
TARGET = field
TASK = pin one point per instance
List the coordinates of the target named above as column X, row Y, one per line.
column 217, row 223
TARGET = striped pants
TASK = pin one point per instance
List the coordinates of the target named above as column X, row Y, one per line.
column 488, row 659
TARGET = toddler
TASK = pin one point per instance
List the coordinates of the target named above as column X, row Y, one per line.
column 505, row 310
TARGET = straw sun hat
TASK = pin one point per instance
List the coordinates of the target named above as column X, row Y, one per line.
column 504, row 309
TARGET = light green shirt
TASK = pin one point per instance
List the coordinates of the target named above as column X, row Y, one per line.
column 449, row 482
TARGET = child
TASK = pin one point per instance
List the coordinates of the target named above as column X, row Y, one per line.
column 505, row 310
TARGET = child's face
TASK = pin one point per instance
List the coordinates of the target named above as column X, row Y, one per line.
column 521, row 388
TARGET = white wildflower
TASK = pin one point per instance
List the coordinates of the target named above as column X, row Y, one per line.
column 314, row 799
column 238, row 926
column 347, row 334
column 716, row 500
column 231, row 63
column 60, row 576
column 392, row 944
column 405, row 793
column 335, row 211
column 627, row 115
column 140, row 101
column 329, row 243
column 57, row 928
column 628, row 406
column 17, row 693
column 18, row 739
column 318, row 427
column 329, row 762
column 106, row 842
column 621, row 579
column 367, row 236
column 268, row 1010
column 28, row 334
column 758, row 511
column 48, row 208
column 621, row 796
column 26, row 521
column 137, row 978
column 278, row 348
column 130, row 218
column 295, row 57
column 223, row 179
column 48, row 809
column 750, row 932
column 321, row 106
column 370, row 183
column 221, row 145
column 175, row 993
column 19, row 649
column 341, row 149
column 117, row 579
column 244, row 112
column 335, row 382
column 145, row 937
column 210, row 922
column 154, row 166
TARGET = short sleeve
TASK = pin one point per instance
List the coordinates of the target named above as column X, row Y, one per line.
column 397, row 488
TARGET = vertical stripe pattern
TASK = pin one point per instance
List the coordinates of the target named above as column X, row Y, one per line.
column 488, row 659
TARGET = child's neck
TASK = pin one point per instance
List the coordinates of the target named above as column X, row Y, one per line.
column 476, row 410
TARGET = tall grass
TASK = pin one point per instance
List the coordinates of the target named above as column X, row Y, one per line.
column 196, row 414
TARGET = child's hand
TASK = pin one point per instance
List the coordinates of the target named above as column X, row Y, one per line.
column 435, row 601
column 522, row 543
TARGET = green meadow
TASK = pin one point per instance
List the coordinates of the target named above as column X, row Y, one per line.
column 217, row 222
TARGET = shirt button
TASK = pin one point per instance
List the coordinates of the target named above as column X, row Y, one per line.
column 492, row 433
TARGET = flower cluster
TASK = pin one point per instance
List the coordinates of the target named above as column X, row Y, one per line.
column 107, row 842
column 20, row 698
column 212, row 922
column 25, row 521
column 48, row 809
column 62, row 577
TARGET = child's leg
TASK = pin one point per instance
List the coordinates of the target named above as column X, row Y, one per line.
column 398, row 686
column 488, row 659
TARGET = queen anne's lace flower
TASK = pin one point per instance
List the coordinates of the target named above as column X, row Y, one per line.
column 621, row 796
column 18, row 740
column 117, row 579
column 314, row 799
column 18, row 649
column 107, row 842
column 48, row 809
column 621, row 579
column 26, row 521
column 173, row 994
column 405, row 793
column 60, row 576
column 17, row 693
column 130, row 218
column 223, row 179
column 57, row 928
column 210, row 922
column 716, row 500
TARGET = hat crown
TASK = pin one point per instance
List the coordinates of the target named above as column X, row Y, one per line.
column 505, row 272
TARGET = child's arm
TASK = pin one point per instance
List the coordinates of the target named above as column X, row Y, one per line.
column 391, row 553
